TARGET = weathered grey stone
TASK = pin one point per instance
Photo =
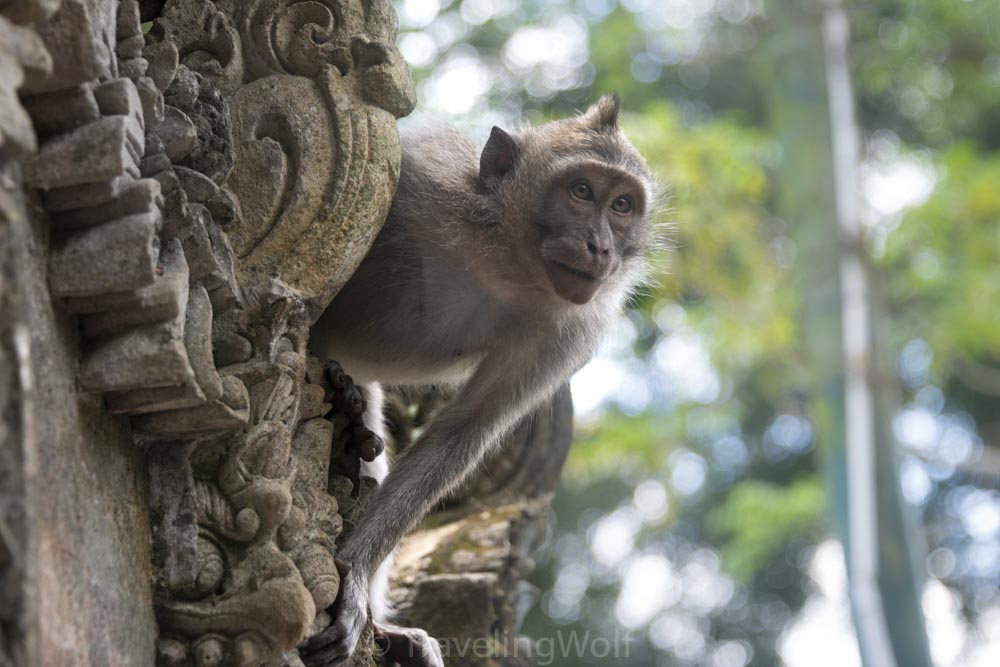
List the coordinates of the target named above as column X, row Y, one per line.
column 303, row 170
column 169, row 184
column 152, row 355
column 120, row 97
column 177, row 133
column 231, row 411
column 132, row 169
column 154, row 164
column 152, row 102
column 16, row 133
column 133, row 68
column 162, row 57
column 469, row 611
column 167, row 291
column 198, row 340
column 159, row 399
column 230, row 348
column 228, row 503
column 127, row 20
column 171, row 505
column 199, row 188
column 27, row 49
column 78, row 36
column 107, row 323
column 130, row 47
column 94, row 153
column 223, row 287
column 75, row 516
column 224, row 297
column 198, row 245
column 184, row 88
column 222, row 206
column 176, row 214
column 142, row 196
column 62, row 110
column 116, row 312
column 112, row 257
column 29, row 11
column 82, row 196
column 19, row 405
column 21, row 51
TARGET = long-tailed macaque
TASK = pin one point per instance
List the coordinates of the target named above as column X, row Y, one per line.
column 498, row 273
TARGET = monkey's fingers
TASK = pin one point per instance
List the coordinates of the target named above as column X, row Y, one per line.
column 354, row 402
column 409, row 647
column 335, row 374
column 322, row 649
column 371, row 447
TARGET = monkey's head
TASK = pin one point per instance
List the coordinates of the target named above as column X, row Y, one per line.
column 575, row 196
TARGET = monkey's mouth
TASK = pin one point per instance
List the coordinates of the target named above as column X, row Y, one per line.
column 572, row 284
column 576, row 272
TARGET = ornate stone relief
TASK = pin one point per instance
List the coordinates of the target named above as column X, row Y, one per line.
column 209, row 186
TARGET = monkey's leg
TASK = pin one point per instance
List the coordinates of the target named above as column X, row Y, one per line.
column 378, row 586
column 374, row 421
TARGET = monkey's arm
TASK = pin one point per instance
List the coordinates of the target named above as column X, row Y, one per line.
column 502, row 391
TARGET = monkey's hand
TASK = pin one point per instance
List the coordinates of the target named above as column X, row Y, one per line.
column 407, row 647
column 334, row 645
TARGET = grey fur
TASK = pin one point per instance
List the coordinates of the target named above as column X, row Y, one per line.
column 460, row 288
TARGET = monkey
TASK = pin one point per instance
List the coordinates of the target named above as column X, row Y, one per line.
column 497, row 272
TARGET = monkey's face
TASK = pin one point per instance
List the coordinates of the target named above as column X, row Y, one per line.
column 590, row 221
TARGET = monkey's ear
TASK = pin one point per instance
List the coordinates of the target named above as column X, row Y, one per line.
column 605, row 113
column 498, row 158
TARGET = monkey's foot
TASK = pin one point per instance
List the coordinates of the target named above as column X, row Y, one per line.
column 408, row 647
column 334, row 645
column 347, row 399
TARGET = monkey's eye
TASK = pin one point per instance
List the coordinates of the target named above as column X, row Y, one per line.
column 622, row 205
column 581, row 191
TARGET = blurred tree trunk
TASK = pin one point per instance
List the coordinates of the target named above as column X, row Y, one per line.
column 811, row 111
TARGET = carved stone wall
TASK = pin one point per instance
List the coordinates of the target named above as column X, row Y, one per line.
column 176, row 206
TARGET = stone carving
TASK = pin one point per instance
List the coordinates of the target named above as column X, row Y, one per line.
column 313, row 90
column 209, row 185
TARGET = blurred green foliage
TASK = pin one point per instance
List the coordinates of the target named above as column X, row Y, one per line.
column 758, row 519
column 943, row 261
column 726, row 479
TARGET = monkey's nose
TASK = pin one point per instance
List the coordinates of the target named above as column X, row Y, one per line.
column 596, row 249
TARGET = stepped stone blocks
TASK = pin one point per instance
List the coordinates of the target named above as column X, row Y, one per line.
column 177, row 205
